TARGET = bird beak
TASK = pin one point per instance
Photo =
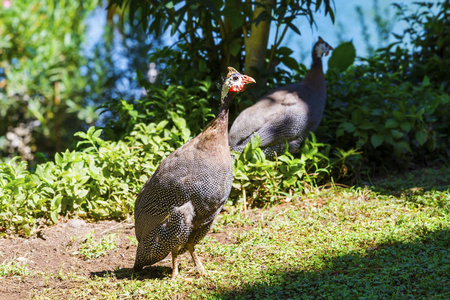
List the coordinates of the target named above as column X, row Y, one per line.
column 330, row 48
column 248, row 79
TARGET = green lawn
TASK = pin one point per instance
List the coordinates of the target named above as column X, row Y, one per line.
column 387, row 241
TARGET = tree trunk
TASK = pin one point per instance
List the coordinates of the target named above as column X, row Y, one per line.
column 256, row 41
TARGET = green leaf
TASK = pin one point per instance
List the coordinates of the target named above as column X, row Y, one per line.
column 285, row 51
column 342, row 57
column 81, row 134
column 376, row 140
column 58, row 159
column 177, row 120
column 349, row 127
column 401, row 147
column 235, row 16
column 290, row 63
column 366, row 125
column 391, row 123
column 54, row 216
column 294, row 28
column 421, row 137
column 396, row 134
column 235, row 47
column 169, row 5
column 405, row 126
column 56, row 203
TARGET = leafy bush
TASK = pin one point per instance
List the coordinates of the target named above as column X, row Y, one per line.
column 428, row 31
column 46, row 84
column 186, row 108
column 384, row 116
column 258, row 181
column 101, row 181
column 103, row 178
column 394, row 107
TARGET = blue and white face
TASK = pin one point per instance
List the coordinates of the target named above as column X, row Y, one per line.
column 322, row 48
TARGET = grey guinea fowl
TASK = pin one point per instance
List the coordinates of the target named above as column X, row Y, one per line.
column 177, row 206
column 286, row 114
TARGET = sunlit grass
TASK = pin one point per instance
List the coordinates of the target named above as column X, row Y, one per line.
column 14, row 268
column 362, row 242
column 90, row 249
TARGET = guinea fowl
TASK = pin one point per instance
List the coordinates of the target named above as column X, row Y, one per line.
column 177, row 206
column 286, row 114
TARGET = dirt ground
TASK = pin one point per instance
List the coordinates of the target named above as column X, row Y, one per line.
column 51, row 252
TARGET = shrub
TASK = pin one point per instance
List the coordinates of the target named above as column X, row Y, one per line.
column 100, row 181
column 390, row 120
column 258, row 181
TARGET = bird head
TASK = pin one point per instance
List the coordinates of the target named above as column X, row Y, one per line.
column 322, row 47
column 236, row 82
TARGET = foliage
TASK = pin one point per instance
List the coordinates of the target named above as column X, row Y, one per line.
column 370, row 107
column 187, row 108
column 89, row 249
column 337, row 243
column 187, row 69
column 103, row 178
column 46, row 82
column 14, row 268
column 342, row 57
column 390, row 120
column 215, row 34
column 101, row 181
column 395, row 106
column 428, row 31
column 258, row 182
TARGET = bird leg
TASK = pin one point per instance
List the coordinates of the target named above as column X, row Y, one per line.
column 244, row 197
column 174, row 262
column 197, row 261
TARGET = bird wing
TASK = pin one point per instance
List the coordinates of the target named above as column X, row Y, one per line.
column 275, row 118
column 161, row 193
column 189, row 174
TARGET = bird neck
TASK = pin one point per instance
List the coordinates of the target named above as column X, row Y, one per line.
column 315, row 73
column 221, row 121
column 214, row 139
column 223, row 111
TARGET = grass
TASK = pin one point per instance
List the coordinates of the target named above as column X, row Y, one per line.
column 387, row 241
column 13, row 268
column 90, row 249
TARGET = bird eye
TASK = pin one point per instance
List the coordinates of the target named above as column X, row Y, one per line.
column 235, row 77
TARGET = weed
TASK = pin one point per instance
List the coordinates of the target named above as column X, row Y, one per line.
column 89, row 249
column 13, row 268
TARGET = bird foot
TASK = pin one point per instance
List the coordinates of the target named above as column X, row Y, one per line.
column 201, row 270
column 137, row 268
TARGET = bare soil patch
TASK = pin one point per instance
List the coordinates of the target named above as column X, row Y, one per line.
column 50, row 255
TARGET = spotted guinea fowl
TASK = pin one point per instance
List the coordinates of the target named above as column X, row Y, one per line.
column 286, row 114
column 178, row 204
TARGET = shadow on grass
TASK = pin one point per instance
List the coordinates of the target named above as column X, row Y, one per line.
column 419, row 269
column 427, row 186
column 414, row 182
column 152, row 272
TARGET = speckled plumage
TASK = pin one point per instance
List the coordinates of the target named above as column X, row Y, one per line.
column 178, row 204
column 286, row 114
